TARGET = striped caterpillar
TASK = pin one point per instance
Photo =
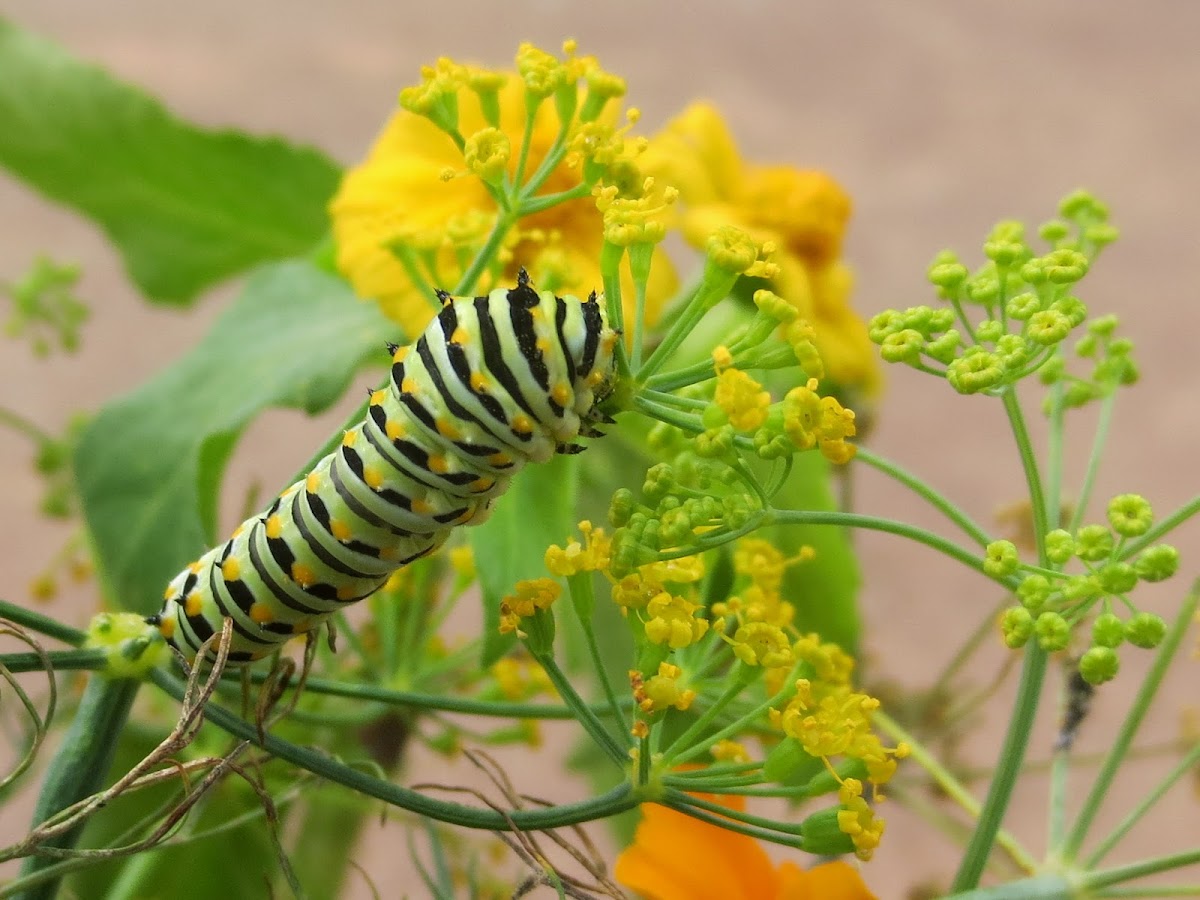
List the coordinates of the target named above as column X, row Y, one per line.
column 493, row 383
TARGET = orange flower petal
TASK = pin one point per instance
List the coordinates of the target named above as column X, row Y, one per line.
column 828, row 881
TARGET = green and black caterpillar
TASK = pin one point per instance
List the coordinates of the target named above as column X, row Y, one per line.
column 493, row 383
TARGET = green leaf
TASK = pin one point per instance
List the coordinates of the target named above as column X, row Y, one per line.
column 185, row 206
column 148, row 465
column 537, row 511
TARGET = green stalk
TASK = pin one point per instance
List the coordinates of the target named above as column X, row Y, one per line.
column 589, row 720
column 1140, row 869
column 583, row 601
column 60, row 661
column 35, row 621
column 621, row 798
column 1129, row 728
column 1012, row 755
column 1093, row 466
column 1037, row 498
column 81, row 765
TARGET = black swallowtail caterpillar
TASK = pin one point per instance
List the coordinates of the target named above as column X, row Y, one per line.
column 493, row 383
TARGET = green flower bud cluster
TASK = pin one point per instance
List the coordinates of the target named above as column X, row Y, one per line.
column 1011, row 317
column 44, row 307
column 1052, row 603
column 685, row 507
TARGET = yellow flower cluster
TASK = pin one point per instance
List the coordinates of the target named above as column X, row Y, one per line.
column 593, row 555
column 801, row 213
column 672, row 620
column 662, row 690
column 739, row 396
column 812, row 420
column 405, row 209
column 530, row 596
column 519, row 678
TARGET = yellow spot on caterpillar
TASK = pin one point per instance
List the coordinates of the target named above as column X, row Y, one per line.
column 542, row 344
column 479, row 485
column 312, row 483
column 608, row 341
column 373, row 476
column 167, row 628
column 340, row 530
column 522, row 424
column 499, row 460
column 447, row 429
column 346, row 592
column 303, row 626
column 231, row 569
column 460, row 336
column 409, row 385
column 274, row 526
column 303, row 575
column 394, row 430
column 194, row 603
column 377, row 397
column 595, row 379
column 261, row 613
column 237, row 532
column 169, row 592
column 479, row 383
column 561, row 394
column 349, row 438
column 438, row 464
column 194, row 567
column 389, row 554
column 421, row 506
column 401, row 354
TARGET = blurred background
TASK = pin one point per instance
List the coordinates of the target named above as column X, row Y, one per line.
column 938, row 118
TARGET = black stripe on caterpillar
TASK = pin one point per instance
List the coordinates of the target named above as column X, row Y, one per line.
column 493, row 383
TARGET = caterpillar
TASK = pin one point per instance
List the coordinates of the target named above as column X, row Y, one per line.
column 493, row 383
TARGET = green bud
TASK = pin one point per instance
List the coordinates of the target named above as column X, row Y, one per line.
column 1130, row 515
column 989, row 331
column 1004, row 253
column 984, row 288
column 1079, row 588
column 790, row 764
column 903, row 346
column 621, row 508
column 539, row 631
column 821, row 835
column 1108, row 631
column 948, row 277
column 1101, row 235
column 660, row 479
column 1157, row 563
column 1093, row 543
column 1016, row 626
column 1086, row 346
column 1073, row 308
column 976, row 370
column 1117, row 578
column 1053, row 632
column 1034, row 591
column 1012, row 349
column 1001, row 559
column 942, row 319
column 886, row 323
column 1099, row 664
column 1103, row 326
column 1022, row 306
column 1054, row 230
column 1048, row 327
column 1065, row 266
column 1145, row 630
column 1060, row 546
column 944, row 348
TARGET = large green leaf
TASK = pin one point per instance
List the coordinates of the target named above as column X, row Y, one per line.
column 537, row 511
column 185, row 206
column 149, row 464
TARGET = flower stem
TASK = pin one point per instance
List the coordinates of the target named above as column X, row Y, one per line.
column 621, row 798
column 583, row 600
column 60, row 661
column 1129, row 728
column 486, row 254
column 81, row 764
column 583, row 713
column 952, row 787
column 35, row 621
column 1012, row 755
column 1033, row 478
column 1140, row 869
column 1093, row 466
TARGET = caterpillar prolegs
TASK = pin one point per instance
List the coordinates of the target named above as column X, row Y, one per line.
column 493, row 383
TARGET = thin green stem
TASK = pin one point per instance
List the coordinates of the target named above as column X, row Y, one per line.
column 1011, row 757
column 736, row 727
column 21, row 425
column 1060, row 768
column 1152, row 892
column 534, row 205
column 581, row 584
column 486, row 254
column 935, row 499
column 81, row 764
column 1184, row 767
column 621, row 798
column 792, row 828
column 60, row 661
column 1129, row 728
column 35, row 621
column 951, row 786
column 707, row 295
column 682, row 803
column 583, row 712
column 1089, row 476
column 1054, row 455
column 1095, row 880
column 1037, row 498
column 686, row 740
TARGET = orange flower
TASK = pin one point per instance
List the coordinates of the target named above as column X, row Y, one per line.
column 676, row 857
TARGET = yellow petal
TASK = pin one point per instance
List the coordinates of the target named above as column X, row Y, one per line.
column 695, row 153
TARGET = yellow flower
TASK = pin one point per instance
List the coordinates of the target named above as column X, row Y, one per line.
column 739, row 396
column 661, row 691
column 400, row 194
column 676, row 857
column 531, row 596
column 802, row 212
column 762, row 644
column 594, row 556
column 671, row 620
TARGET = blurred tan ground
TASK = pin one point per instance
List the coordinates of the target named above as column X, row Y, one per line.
column 939, row 119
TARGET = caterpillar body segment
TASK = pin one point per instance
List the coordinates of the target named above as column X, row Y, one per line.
column 493, row 383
